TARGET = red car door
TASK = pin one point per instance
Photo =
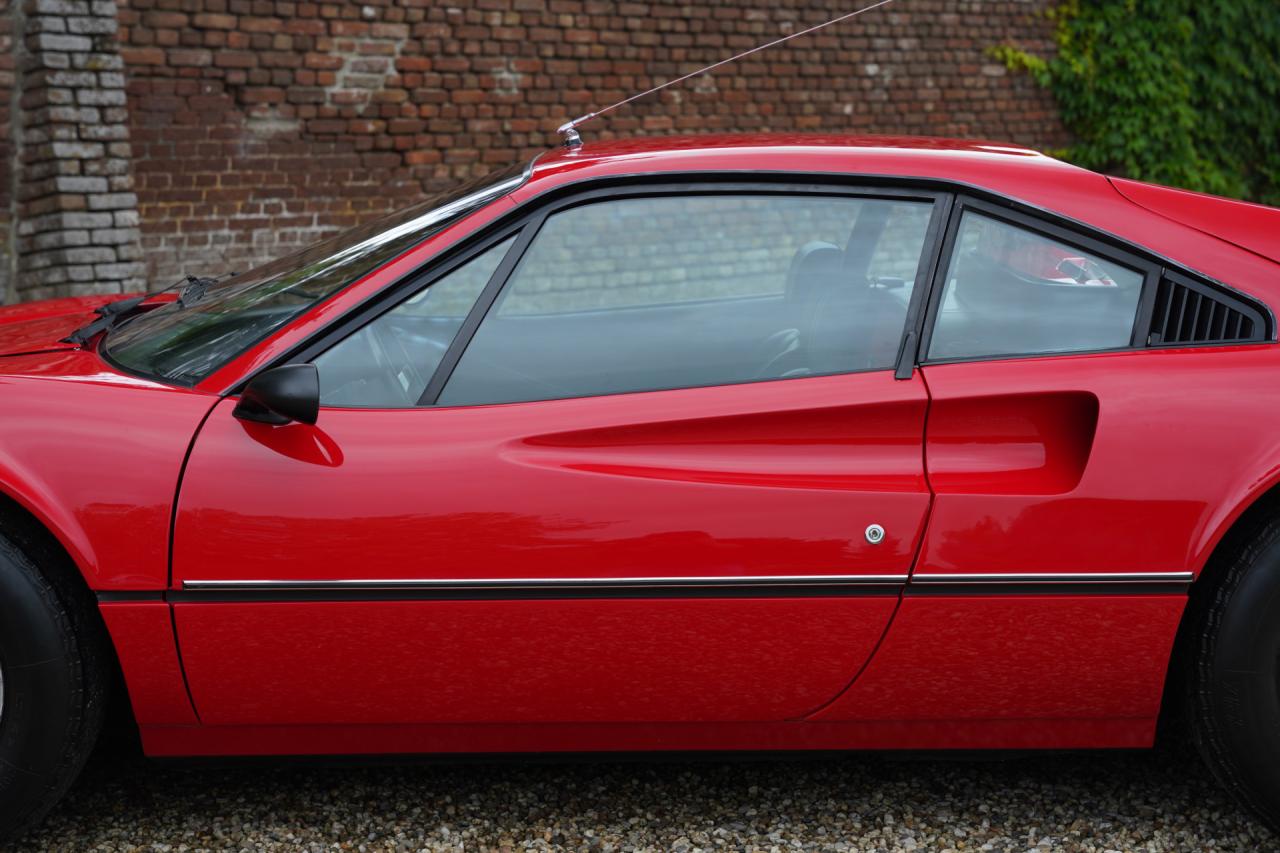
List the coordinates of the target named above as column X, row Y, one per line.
column 1076, row 483
column 673, row 487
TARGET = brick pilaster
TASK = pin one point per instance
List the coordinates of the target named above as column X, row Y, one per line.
column 76, row 211
column 8, row 94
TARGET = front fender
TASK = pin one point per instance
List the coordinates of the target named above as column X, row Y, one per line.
column 96, row 457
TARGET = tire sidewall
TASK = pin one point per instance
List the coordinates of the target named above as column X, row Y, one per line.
column 43, row 689
column 1243, row 669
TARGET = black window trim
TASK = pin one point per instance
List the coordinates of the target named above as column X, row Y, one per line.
column 1152, row 266
column 479, row 310
column 909, row 348
column 950, row 199
column 400, row 291
column 1149, row 271
column 528, row 220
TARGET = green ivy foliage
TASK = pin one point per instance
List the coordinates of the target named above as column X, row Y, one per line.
column 1178, row 92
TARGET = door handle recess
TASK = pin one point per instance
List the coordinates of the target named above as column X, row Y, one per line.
column 1026, row 444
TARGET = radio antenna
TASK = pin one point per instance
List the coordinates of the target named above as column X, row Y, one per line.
column 569, row 130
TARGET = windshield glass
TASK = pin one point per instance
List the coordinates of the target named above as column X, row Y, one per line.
column 187, row 344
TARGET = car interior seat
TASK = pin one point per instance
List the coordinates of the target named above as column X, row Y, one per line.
column 854, row 323
column 814, row 265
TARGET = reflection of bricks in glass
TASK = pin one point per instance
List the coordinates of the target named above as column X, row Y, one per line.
column 646, row 251
column 255, row 128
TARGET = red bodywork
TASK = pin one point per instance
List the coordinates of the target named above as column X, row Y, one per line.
column 1123, row 462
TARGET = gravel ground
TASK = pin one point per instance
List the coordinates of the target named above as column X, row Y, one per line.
column 1064, row 802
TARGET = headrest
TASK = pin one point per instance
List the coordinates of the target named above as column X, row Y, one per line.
column 813, row 263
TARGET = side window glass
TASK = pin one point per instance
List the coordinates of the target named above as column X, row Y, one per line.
column 1010, row 291
column 642, row 294
column 388, row 363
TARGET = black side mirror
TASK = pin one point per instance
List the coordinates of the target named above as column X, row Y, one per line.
column 281, row 395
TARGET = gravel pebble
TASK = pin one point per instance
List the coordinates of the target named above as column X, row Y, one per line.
column 1097, row 802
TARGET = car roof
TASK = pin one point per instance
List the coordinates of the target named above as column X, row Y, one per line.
column 1011, row 171
column 632, row 145
column 909, row 156
column 1002, row 168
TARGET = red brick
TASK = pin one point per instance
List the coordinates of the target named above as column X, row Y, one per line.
column 214, row 21
column 258, row 93
column 235, row 59
column 143, row 56
column 262, row 95
column 159, row 19
column 184, row 56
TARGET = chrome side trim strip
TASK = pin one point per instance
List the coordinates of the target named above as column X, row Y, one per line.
column 755, row 581
column 1056, row 578
column 710, row 581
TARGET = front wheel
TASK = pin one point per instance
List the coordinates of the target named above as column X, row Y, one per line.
column 1234, row 674
column 52, row 686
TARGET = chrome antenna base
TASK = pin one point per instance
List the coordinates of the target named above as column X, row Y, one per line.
column 569, row 131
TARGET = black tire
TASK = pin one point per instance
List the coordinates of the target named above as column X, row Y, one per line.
column 1233, row 671
column 55, row 677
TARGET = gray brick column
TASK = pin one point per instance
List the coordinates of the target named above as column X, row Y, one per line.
column 76, row 213
column 8, row 55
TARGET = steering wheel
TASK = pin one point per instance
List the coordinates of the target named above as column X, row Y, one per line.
column 784, row 356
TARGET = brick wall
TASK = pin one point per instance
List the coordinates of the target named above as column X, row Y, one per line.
column 257, row 126
column 73, row 223
column 8, row 62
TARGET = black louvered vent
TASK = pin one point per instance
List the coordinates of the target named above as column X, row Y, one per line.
column 1187, row 312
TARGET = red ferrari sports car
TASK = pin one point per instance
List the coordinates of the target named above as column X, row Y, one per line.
column 726, row 443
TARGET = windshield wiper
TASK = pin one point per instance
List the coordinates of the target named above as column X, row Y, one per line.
column 113, row 314
column 196, row 287
column 109, row 316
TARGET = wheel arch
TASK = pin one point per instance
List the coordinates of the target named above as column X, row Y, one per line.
column 41, row 541
column 25, row 512
column 1223, row 532
column 36, row 533
column 1235, row 529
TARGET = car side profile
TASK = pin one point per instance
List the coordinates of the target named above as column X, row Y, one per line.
column 717, row 443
